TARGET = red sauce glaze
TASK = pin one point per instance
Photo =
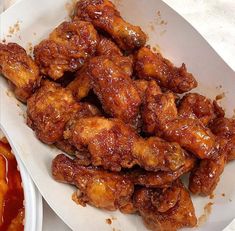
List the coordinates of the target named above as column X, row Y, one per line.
column 14, row 198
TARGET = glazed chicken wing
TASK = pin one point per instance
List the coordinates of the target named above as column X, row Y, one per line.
column 96, row 187
column 108, row 141
column 153, row 66
column 194, row 105
column 115, row 89
column 66, row 49
column 105, row 17
column 205, row 177
column 165, row 209
column 191, row 135
column 114, row 145
column 225, row 128
column 19, row 69
column 160, row 179
column 81, row 85
column 49, row 109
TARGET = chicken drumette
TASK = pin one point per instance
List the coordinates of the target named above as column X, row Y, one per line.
column 66, row 49
column 19, row 69
column 105, row 17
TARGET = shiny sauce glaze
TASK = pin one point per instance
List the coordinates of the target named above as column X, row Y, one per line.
column 11, row 191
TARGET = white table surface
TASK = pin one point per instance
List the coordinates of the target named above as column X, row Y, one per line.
column 214, row 19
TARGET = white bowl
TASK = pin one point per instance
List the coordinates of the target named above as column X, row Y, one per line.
column 32, row 197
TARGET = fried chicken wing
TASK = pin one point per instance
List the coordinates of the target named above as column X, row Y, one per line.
column 205, row 177
column 115, row 89
column 156, row 154
column 108, row 141
column 157, row 109
column 115, row 145
column 165, row 209
column 225, row 128
column 19, row 69
column 105, row 17
column 81, row 85
column 66, row 49
column 195, row 105
column 191, row 135
column 149, row 65
column 97, row 187
column 161, row 179
column 49, row 109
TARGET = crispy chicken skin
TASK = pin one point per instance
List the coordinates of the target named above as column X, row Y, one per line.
column 19, row 69
column 191, row 135
column 48, row 111
column 225, row 128
column 194, row 105
column 66, row 49
column 157, row 109
column 115, row 89
column 97, row 187
column 205, row 177
column 160, row 179
column 165, row 209
column 105, row 17
column 115, row 145
column 149, row 65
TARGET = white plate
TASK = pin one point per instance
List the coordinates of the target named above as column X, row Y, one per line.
column 179, row 42
column 32, row 198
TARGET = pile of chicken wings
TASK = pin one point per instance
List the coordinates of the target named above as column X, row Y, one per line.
column 97, row 92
